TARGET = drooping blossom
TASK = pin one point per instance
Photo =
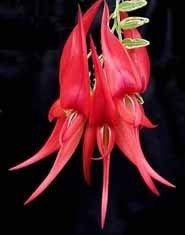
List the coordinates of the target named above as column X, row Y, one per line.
column 71, row 110
column 125, row 82
column 100, row 129
column 108, row 114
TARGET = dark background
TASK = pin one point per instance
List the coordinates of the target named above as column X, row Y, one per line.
column 32, row 35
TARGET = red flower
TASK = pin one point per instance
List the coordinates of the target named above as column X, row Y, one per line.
column 126, row 78
column 110, row 113
column 100, row 129
column 73, row 107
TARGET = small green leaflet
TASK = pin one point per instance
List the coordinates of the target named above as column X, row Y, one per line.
column 132, row 5
column 133, row 22
column 130, row 43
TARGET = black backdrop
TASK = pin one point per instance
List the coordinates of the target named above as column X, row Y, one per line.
column 32, row 34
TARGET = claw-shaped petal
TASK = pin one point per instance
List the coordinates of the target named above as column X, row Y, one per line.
column 127, row 139
column 64, row 155
column 105, row 188
column 88, row 149
column 51, row 146
column 55, row 111
column 75, row 92
column 120, row 69
column 103, row 109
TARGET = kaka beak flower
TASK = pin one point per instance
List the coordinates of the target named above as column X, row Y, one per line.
column 111, row 113
column 126, row 78
column 72, row 109
column 100, row 130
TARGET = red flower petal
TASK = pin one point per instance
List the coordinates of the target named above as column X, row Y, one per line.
column 71, row 124
column 127, row 139
column 75, row 92
column 88, row 149
column 145, row 122
column 130, row 110
column 51, row 145
column 88, row 17
column 103, row 109
column 120, row 70
column 105, row 188
column 55, row 111
column 63, row 157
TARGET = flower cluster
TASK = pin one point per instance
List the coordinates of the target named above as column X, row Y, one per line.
column 106, row 114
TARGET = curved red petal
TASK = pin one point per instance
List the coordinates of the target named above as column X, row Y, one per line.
column 75, row 91
column 127, row 139
column 105, row 139
column 88, row 149
column 88, row 17
column 120, row 70
column 55, row 111
column 146, row 122
column 130, row 110
column 105, row 188
column 51, row 145
column 103, row 109
column 71, row 124
column 63, row 157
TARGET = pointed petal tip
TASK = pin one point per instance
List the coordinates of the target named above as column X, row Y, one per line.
column 171, row 185
column 27, row 202
column 102, row 223
column 157, row 193
column 88, row 181
column 15, row 168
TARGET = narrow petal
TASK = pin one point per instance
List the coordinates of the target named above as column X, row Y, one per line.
column 156, row 176
column 139, row 56
column 103, row 109
column 63, row 157
column 126, row 141
column 145, row 122
column 51, row 145
column 130, row 110
column 147, row 166
column 71, row 124
column 105, row 139
column 120, row 69
column 75, row 91
column 105, row 189
column 55, row 111
column 88, row 149
column 88, row 18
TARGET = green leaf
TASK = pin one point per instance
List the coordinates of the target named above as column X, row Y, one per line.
column 132, row 5
column 130, row 43
column 133, row 22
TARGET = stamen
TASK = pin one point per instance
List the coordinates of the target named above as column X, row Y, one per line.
column 71, row 118
column 129, row 103
column 139, row 98
column 68, row 112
